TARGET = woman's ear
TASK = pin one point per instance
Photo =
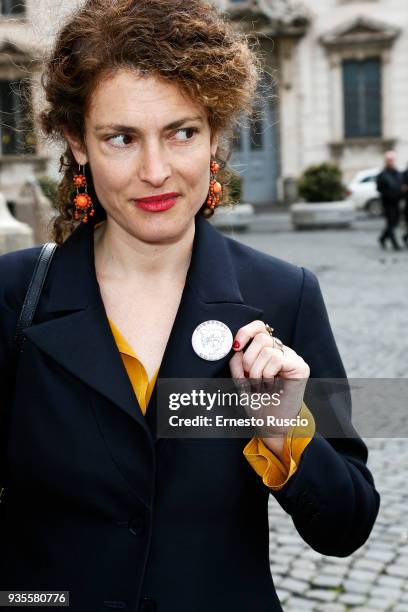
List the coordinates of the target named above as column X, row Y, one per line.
column 214, row 143
column 77, row 147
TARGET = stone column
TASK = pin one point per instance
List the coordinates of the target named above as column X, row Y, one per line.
column 289, row 112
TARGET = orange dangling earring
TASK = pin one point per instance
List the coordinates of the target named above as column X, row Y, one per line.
column 214, row 194
column 83, row 202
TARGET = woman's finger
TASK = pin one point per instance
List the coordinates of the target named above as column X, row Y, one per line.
column 266, row 355
column 270, row 361
column 247, row 332
column 259, row 341
column 236, row 367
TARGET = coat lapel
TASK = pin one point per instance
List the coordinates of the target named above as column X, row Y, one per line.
column 211, row 292
column 74, row 329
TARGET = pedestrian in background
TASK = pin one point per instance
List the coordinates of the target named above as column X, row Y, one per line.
column 405, row 194
column 389, row 185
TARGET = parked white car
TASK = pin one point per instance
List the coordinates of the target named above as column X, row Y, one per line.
column 362, row 191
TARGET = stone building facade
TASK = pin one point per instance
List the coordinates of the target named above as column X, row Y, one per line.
column 26, row 32
column 341, row 80
column 337, row 81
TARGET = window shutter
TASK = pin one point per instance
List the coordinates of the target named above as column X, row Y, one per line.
column 13, row 7
column 362, row 98
column 373, row 96
column 351, row 98
column 16, row 128
column 7, row 119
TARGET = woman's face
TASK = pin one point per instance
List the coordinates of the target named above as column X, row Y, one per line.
column 145, row 139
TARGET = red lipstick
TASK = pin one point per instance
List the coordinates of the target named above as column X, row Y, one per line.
column 157, row 203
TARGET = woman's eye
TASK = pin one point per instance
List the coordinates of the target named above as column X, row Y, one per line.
column 185, row 133
column 117, row 142
column 121, row 141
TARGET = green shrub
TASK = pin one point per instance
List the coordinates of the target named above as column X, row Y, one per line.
column 235, row 186
column 48, row 186
column 322, row 183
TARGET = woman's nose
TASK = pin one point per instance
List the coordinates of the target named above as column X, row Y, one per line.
column 155, row 166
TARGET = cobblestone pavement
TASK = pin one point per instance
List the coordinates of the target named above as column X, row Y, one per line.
column 366, row 293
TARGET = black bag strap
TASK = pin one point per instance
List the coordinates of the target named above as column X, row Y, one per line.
column 29, row 307
column 33, row 294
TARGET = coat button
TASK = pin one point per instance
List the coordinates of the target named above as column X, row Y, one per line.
column 136, row 525
column 147, row 604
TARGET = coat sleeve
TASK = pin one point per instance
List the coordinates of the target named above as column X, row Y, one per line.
column 15, row 273
column 332, row 497
column 380, row 183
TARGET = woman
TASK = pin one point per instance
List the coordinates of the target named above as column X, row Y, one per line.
column 97, row 504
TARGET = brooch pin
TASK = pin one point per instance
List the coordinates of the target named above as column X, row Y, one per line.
column 212, row 340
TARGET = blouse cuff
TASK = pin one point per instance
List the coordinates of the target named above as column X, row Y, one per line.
column 275, row 472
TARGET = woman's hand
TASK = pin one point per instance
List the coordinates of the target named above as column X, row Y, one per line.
column 257, row 358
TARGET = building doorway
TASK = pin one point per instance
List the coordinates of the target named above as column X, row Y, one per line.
column 255, row 154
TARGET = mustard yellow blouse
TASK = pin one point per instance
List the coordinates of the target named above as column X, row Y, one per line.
column 274, row 472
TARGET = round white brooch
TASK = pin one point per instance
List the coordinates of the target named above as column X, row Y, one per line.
column 212, row 340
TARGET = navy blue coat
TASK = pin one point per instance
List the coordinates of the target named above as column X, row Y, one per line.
column 97, row 505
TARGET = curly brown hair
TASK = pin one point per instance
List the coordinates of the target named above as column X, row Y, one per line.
column 187, row 43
